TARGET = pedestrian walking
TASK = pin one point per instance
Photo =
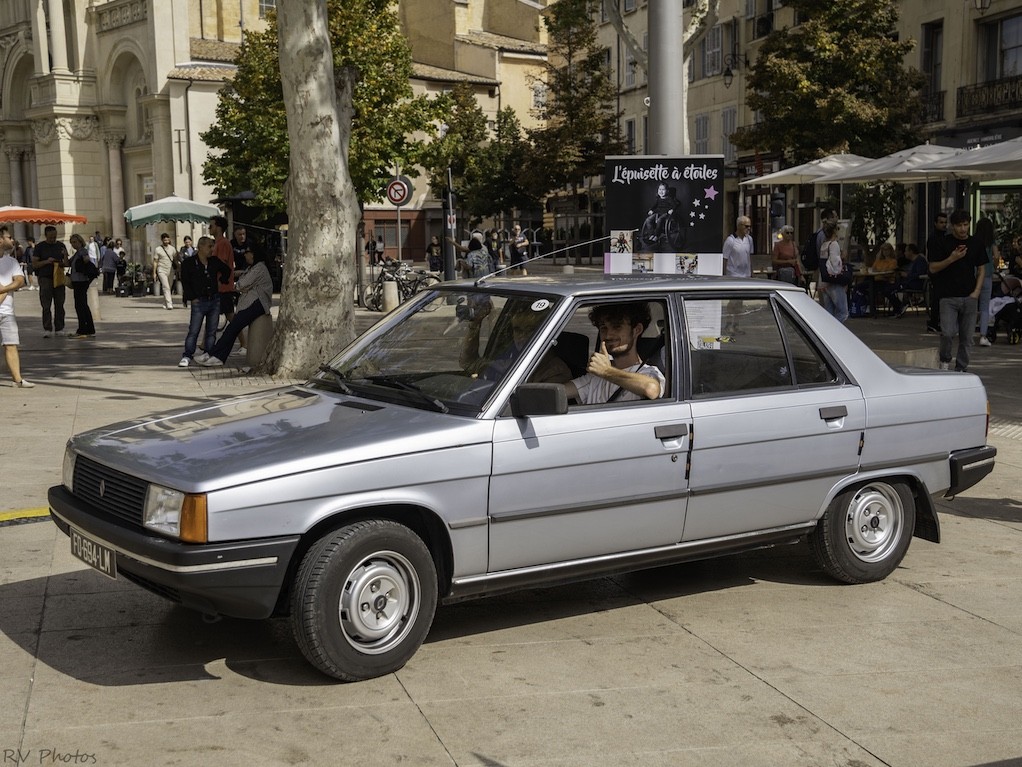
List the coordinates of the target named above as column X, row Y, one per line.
column 80, row 281
column 11, row 280
column 958, row 269
column 163, row 266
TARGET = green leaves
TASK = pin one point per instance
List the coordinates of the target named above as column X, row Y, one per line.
column 249, row 139
column 835, row 83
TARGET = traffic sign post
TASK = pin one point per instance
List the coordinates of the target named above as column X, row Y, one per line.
column 399, row 192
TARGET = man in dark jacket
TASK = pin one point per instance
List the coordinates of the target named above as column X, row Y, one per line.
column 201, row 276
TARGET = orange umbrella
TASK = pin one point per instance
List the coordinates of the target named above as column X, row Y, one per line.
column 12, row 214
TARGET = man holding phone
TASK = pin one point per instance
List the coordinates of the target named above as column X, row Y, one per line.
column 957, row 268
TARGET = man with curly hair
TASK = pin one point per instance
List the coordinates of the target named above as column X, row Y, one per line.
column 616, row 372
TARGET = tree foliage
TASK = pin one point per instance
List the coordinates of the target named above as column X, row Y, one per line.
column 579, row 122
column 390, row 126
column 834, row 83
column 877, row 212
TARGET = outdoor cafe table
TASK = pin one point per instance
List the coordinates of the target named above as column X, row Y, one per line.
column 859, row 275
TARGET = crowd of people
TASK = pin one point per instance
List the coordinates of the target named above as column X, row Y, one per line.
column 954, row 275
column 221, row 276
column 485, row 253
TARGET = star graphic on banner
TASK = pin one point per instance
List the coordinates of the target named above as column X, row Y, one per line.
column 696, row 203
column 711, row 192
column 702, row 216
column 692, row 214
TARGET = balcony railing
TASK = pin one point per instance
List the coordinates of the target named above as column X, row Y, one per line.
column 933, row 107
column 993, row 96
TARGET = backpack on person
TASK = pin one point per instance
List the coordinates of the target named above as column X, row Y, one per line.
column 810, row 253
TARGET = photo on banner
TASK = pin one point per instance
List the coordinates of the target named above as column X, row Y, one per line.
column 665, row 215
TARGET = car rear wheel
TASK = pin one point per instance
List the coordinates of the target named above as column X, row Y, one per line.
column 363, row 599
column 865, row 532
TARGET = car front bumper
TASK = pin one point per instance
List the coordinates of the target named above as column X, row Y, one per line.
column 241, row 579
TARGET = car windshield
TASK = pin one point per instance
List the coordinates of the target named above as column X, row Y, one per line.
column 448, row 353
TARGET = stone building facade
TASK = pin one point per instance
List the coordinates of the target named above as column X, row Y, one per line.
column 102, row 102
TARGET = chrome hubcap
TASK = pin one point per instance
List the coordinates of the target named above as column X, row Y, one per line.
column 873, row 522
column 379, row 603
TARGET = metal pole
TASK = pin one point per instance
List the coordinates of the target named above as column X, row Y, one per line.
column 451, row 229
column 668, row 112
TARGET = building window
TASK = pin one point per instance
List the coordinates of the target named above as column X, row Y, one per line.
column 933, row 55
column 630, row 136
column 629, row 6
column 1003, row 48
column 265, row 6
column 702, row 134
column 389, row 231
column 711, row 52
column 539, row 96
column 728, row 125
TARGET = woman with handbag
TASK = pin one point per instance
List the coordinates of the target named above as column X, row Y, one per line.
column 81, row 269
column 784, row 257
column 833, row 273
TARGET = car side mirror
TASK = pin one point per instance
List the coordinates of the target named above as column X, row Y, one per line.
column 539, row 399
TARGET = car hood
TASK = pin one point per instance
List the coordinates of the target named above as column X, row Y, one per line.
column 273, row 433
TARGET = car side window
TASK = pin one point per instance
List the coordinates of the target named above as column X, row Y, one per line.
column 808, row 365
column 735, row 345
column 579, row 338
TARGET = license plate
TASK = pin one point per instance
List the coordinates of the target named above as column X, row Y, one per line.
column 95, row 555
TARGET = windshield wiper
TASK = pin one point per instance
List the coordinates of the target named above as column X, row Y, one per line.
column 339, row 378
column 397, row 383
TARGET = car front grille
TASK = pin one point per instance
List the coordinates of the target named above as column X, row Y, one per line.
column 113, row 492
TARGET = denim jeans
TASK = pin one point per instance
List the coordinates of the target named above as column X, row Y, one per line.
column 835, row 300
column 207, row 309
column 984, row 302
column 242, row 319
column 957, row 315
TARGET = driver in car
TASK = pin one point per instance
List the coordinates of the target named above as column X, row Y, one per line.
column 616, row 372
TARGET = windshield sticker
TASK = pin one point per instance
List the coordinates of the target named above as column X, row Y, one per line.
column 540, row 305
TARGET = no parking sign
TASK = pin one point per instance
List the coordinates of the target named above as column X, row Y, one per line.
column 399, row 191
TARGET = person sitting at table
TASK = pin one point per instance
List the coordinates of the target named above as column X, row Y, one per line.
column 885, row 270
column 784, row 257
column 918, row 268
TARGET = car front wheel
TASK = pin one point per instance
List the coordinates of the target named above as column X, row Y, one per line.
column 865, row 532
column 363, row 599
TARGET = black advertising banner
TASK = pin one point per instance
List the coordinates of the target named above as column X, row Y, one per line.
column 666, row 205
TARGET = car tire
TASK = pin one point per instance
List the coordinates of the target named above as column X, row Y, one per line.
column 865, row 532
column 363, row 599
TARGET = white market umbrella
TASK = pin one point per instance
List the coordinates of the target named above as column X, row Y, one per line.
column 171, row 208
column 905, row 166
column 809, row 172
column 1001, row 160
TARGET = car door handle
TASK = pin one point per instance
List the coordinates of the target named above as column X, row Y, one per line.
column 671, row 431
column 833, row 413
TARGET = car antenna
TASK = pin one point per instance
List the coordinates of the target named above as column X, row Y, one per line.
column 502, row 269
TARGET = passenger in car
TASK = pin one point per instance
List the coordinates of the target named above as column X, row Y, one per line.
column 616, row 372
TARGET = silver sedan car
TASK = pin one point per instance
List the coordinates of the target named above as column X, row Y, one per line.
column 517, row 432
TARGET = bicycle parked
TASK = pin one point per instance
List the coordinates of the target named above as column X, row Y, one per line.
column 409, row 282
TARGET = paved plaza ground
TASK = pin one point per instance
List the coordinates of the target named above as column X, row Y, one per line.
column 757, row 659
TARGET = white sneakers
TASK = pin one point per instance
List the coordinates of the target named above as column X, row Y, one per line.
column 185, row 362
column 984, row 341
column 23, row 384
column 210, row 362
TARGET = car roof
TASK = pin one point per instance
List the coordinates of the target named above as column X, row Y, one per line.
column 596, row 284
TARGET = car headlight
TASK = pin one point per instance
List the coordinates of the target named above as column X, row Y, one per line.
column 175, row 514
column 67, row 470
